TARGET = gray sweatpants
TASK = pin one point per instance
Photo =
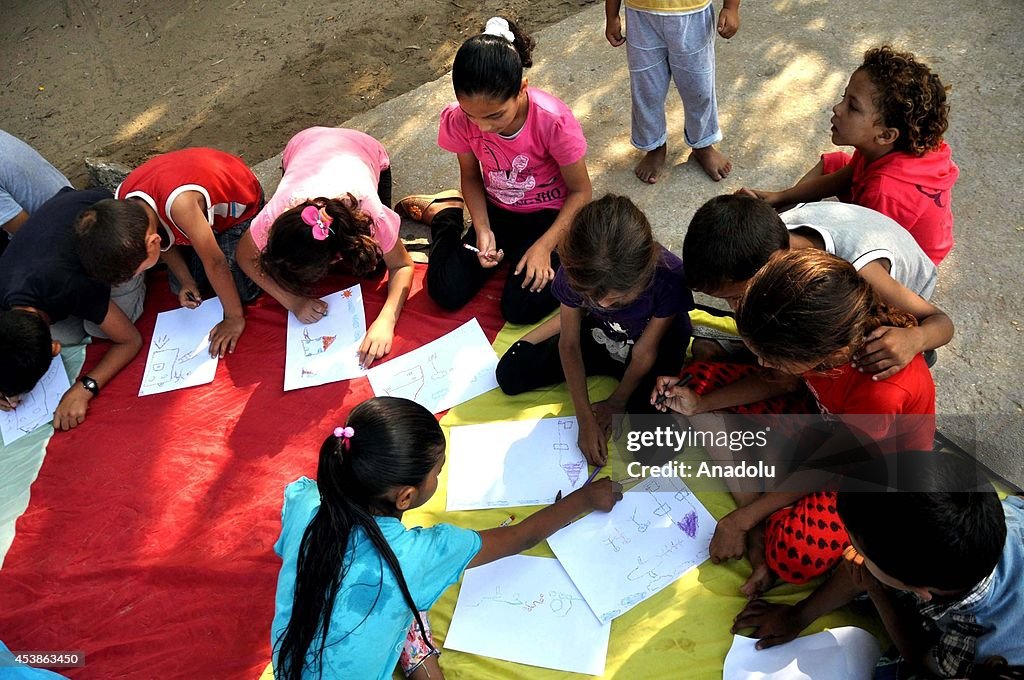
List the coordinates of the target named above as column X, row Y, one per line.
column 660, row 47
column 128, row 296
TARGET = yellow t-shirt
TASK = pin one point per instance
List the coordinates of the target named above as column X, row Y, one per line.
column 668, row 6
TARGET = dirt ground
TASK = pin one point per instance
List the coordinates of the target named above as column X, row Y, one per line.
column 126, row 80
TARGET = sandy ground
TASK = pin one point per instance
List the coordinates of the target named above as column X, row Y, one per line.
column 127, row 80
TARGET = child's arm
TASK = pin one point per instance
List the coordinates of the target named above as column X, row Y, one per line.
column 887, row 349
column 537, row 258
column 601, row 495
column 189, row 295
column 473, row 192
column 126, row 344
column 188, row 212
column 776, row 624
column 645, row 351
column 729, row 19
column 814, row 189
column 613, row 23
column 381, row 332
column 902, row 622
column 307, row 310
column 746, row 391
column 593, row 439
column 730, row 538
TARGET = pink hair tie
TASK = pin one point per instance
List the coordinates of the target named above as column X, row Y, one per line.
column 345, row 434
column 319, row 221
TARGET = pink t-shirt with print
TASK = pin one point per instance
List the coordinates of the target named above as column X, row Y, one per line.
column 522, row 173
column 331, row 162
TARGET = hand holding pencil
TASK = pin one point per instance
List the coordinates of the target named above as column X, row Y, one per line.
column 672, row 394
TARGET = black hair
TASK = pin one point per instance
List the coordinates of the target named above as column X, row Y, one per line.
column 25, row 351
column 729, row 238
column 296, row 260
column 947, row 533
column 111, row 239
column 491, row 66
column 396, row 442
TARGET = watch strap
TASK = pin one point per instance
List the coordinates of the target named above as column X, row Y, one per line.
column 90, row 384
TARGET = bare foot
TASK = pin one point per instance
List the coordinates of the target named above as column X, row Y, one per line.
column 761, row 577
column 714, row 162
column 651, row 164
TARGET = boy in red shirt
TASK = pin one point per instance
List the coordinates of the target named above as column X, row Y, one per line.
column 893, row 113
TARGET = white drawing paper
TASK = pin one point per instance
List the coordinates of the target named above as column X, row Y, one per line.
column 37, row 406
column 527, row 610
column 448, row 371
column 848, row 652
column 179, row 353
column 524, row 462
column 326, row 351
column 654, row 535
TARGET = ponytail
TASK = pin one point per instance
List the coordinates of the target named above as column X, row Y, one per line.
column 296, row 260
column 392, row 442
column 491, row 64
column 806, row 305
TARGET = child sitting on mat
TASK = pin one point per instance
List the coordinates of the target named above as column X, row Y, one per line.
column 625, row 313
column 805, row 314
column 521, row 159
column 940, row 559
column 893, row 113
column 330, row 212
column 355, row 584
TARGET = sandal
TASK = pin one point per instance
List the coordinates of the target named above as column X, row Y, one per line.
column 422, row 207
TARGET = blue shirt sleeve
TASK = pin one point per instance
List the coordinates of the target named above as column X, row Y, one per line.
column 440, row 555
column 301, row 501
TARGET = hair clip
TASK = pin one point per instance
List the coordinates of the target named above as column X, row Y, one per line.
column 499, row 26
column 345, row 435
column 319, row 220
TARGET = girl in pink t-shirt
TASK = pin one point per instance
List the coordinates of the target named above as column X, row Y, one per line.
column 330, row 212
column 521, row 156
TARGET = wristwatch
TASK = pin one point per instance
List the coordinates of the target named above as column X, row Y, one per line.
column 90, row 384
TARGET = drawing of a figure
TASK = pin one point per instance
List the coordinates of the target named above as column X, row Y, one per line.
column 406, row 384
column 616, row 539
column 439, row 373
column 570, row 466
column 168, row 367
column 31, row 412
column 317, row 345
column 641, row 527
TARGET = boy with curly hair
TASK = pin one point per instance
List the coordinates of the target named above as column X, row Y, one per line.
column 893, row 113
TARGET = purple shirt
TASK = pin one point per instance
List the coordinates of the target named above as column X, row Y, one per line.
column 619, row 329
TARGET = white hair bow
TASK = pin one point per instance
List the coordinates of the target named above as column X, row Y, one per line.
column 499, row 26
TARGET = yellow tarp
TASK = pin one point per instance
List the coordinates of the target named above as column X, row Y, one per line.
column 681, row 632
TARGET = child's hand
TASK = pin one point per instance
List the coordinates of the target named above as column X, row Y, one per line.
column 773, row 624
column 10, row 403
column 769, row 197
column 224, row 336
column 886, row 351
column 377, row 342
column 536, row 262
column 602, row 494
column 310, row 310
column 728, row 22
column 488, row 256
column 605, row 412
column 592, row 440
column 730, row 539
column 674, row 397
column 613, row 31
column 72, row 407
column 189, row 296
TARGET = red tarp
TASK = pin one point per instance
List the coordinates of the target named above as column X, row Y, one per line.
column 148, row 540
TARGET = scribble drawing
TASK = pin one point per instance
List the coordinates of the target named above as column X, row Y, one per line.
column 662, row 509
column 317, row 345
column 407, row 383
column 561, row 603
column 439, row 373
column 688, row 524
column 169, row 365
column 617, row 540
column 654, row 580
column 641, row 527
column 558, row 602
column 161, row 342
column 31, row 412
